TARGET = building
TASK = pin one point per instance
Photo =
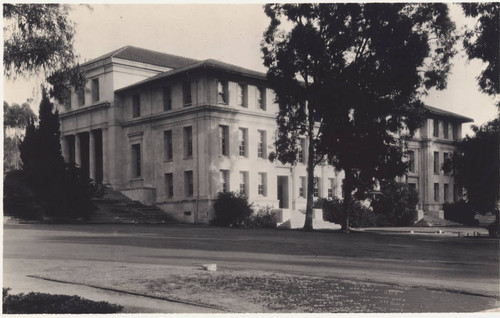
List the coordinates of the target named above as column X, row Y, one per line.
column 173, row 132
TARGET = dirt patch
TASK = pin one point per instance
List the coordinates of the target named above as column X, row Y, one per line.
column 259, row 291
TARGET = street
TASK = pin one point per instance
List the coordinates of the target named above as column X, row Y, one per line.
column 467, row 266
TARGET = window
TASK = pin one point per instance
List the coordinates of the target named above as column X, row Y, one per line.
column 81, row 96
column 261, row 98
column 436, row 162
column 242, row 95
column 67, row 98
column 457, row 192
column 302, row 187
column 136, row 106
column 331, row 187
column 224, row 181
column 242, row 141
column 243, row 182
column 167, row 143
column 95, row 90
column 436, row 192
column 261, row 145
column 302, row 147
column 188, row 183
column 446, row 157
column 455, row 130
column 445, row 129
column 262, row 184
column 412, row 186
column 186, row 93
column 169, row 184
column 446, row 188
column 224, row 140
column 222, row 92
column 167, row 98
column 316, row 181
column 136, row 161
column 411, row 161
column 188, row 141
column 435, row 130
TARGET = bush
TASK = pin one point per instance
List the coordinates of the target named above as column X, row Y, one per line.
column 41, row 303
column 396, row 206
column 460, row 212
column 361, row 216
column 18, row 199
column 231, row 209
column 332, row 210
column 264, row 218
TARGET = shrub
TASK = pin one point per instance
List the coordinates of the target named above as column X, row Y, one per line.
column 396, row 206
column 264, row 218
column 41, row 303
column 231, row 209
column 361, row 216
column 19, row 201
column 332, row 210
column 460, row 212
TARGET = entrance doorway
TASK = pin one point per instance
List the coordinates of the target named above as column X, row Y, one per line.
column 283, row 196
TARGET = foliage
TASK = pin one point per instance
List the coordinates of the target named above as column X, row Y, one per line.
column 19, row 201
column 231, row 209
column 362, row 216
column 15, row 116
column 356, row 72
column 332, row 210
column 478, row 174
column 38, row 39
column 61, row 189
column 41, row 303
column 396, row 204
column 460, row 212
column 482, row 42
column 264, row 218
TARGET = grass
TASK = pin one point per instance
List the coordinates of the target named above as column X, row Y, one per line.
column 41, row 303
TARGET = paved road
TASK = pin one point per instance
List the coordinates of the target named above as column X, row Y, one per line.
column 466, row 265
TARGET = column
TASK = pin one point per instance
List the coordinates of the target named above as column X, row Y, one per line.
column 65, row 148
column 78, row 151
column 92, row 163
column 105, row 157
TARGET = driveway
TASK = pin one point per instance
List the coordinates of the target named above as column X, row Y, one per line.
column 459, row 265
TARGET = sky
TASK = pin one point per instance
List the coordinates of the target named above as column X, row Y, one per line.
column 231, row 33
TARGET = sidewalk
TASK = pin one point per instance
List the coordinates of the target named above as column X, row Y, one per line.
column 455, row 231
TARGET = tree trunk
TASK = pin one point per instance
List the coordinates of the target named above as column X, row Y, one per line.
column 347, row 187
column 310, row 170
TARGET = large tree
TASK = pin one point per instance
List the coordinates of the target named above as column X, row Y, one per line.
column 356, row 72
column 482, row 41
column 38, row 40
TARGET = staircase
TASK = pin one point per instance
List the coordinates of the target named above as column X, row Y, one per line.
column 430, row 221
column 114, row 207
column 292, row 219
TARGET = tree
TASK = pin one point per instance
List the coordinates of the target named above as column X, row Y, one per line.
column 482, row 42
column 475, row 164
column 39, row 41
column 356, row 72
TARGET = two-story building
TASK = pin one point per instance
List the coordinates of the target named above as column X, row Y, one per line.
column 173, row 132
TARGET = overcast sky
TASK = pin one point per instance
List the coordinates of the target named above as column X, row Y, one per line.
column 228, row 32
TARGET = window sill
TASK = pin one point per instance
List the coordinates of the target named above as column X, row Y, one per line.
column 137, row 179
column 188, row 157
column 168, row 160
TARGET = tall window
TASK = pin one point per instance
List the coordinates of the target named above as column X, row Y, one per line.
column 331, row 187
column 435, row 129
column 446, row 189
column 224, row 181
column 302, row 147
column 262, row 184
column 136, row 106
column 242, row 95
column 243, row 182
column 261, row 144
column 446, row 157
column 167, row 143
column 436, row 192
column 188, row 183
column 261, row 98
column 169, row 184
column 95, row 90
column 67, row 98
column 242, row 141
column 186, row 93
column 316, row 181
column 81, row 96
column 436, row 162
column 188, row 141
column 167, row 98
column 136, row 161
column 222, row 96
column 445, row 129
column 302, row 187
column 411, row 161
column 224, row 140
column 454, row 127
